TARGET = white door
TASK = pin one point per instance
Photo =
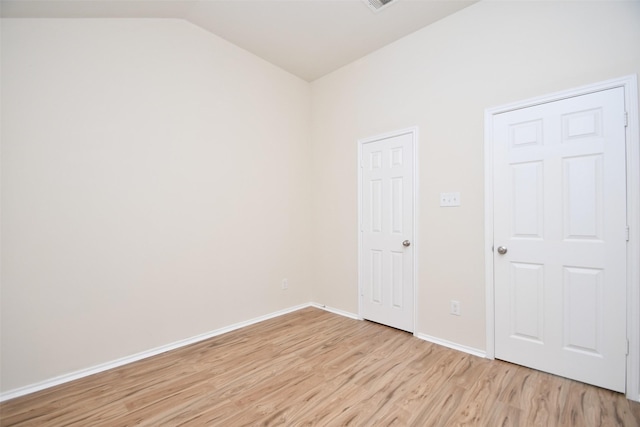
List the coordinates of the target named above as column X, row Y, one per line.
column 386, row 253
column 560, row 215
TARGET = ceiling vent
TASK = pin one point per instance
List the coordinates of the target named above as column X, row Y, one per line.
column 378, row 5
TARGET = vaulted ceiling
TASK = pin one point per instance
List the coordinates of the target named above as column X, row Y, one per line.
column 308, row 38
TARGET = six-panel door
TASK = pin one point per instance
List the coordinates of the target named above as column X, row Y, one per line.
column 387, row 222
column 560, row 212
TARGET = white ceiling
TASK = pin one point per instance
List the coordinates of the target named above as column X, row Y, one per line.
column 308, row 38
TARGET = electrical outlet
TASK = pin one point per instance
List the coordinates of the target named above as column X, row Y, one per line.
column 285, row 284
column 450, row 199
column 455, row 308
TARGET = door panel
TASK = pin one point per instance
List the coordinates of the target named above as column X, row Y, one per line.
column 560, row 210
column 527, row 303
column 387, row 221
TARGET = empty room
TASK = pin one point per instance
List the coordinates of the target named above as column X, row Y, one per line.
column 319, row 212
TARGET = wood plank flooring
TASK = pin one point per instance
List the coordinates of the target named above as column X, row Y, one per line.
column 314, row 368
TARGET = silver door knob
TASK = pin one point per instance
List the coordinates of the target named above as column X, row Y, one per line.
column 406, row 243
column 502, row 250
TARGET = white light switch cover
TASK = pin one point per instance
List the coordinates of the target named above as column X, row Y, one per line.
column 450, row 199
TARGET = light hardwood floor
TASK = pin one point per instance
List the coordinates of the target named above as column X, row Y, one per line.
column 314, row 368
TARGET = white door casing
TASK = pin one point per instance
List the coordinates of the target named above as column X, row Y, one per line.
column 565, row 294
column 387, row 228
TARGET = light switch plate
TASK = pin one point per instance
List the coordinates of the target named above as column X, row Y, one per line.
column 450, row 199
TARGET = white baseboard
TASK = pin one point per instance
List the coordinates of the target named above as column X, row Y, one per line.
column 335, row 311
column 11, row 394
column 452, row 345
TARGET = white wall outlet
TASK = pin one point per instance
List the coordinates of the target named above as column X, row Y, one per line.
column 455, row 308
column 285, row 284
column 450, row 199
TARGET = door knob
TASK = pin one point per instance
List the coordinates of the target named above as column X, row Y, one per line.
column 406, row 243
column 502, row 250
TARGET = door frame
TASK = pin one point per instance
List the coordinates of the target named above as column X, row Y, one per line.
column 630, row 85
column 413, row 131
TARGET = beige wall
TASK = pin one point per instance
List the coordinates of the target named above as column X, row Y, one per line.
column 441, row 79
column 154, row 188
